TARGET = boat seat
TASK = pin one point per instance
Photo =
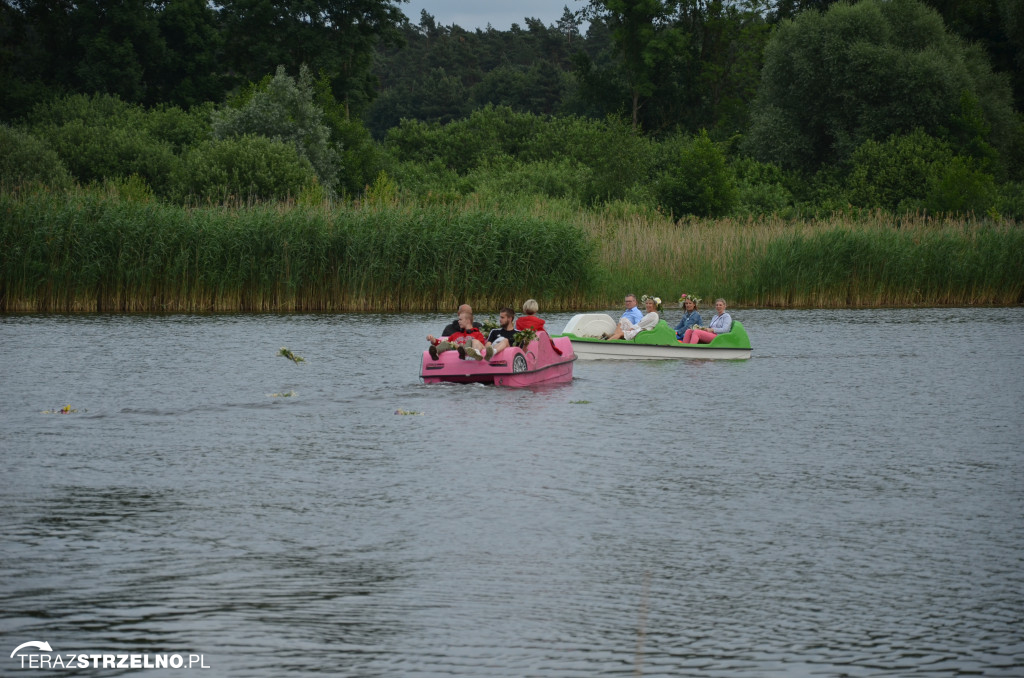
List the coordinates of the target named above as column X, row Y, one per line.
column 590, row 325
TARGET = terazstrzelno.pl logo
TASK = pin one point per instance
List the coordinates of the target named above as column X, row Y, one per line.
column 36, row 655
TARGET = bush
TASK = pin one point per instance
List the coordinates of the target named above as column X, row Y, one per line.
column 24, row 159
column 894, row 174
column 101, row 137
column 282, row 108
column 93, row 111
column 506, row 176
column 464, row 144
column 760, row 188
column 128, row 189
column 960, row 188
column 418, row 142
column 94, row 152
column 615, row 154
column 916, row 171
column 361, row 157
column 1011, row 201
column 247, row 168
column 428, row 180
column 606, row 158
column 697, row 181
column 178, row 127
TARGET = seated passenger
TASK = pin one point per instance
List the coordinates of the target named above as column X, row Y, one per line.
column 529, row 321
column 720, row 323
column 466, row 335
column 499, row 338
column 453, row 326
column 690, row 317
column 632, row 313
column 628, row 330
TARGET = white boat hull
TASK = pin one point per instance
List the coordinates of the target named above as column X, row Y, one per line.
column 598, row 350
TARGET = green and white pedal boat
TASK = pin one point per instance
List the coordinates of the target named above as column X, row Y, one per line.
column 584, row 331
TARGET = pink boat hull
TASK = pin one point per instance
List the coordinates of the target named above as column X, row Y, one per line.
column 540, row 363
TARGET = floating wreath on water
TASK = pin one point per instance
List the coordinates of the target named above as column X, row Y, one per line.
column 291, row 356
column 524, row 338
column 67, row 409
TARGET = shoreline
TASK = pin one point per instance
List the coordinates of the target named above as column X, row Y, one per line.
column 88, row 251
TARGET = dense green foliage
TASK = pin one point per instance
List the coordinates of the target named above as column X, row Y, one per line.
column 654, row 105
column 284, row 110
column 696, row 180
column 918, row 172
column 858, row 72
column 249, row 168
column 27, row 160
column 661, row 111
column 188, row 51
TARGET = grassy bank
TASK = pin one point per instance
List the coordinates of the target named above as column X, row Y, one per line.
column 871, row 260
column 89, row 250
column 860, row 259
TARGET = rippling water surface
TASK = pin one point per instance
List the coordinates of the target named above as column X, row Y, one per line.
column 849, row 502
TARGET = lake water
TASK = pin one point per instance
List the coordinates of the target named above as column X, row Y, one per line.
column 848, row 502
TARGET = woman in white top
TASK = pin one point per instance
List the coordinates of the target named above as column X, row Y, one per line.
column 720, row 323
column 627, row 330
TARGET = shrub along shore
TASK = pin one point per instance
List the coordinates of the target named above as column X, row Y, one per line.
column 91, row 250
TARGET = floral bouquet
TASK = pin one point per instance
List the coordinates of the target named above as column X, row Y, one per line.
column 524, row 338
column 492, row 323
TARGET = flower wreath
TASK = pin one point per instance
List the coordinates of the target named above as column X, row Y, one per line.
column 684, row 297
column 657, row 301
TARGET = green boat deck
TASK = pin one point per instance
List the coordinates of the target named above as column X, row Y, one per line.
column 664, row 335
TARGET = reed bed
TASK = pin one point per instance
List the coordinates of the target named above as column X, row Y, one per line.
column 861, row 260
column 88, row 251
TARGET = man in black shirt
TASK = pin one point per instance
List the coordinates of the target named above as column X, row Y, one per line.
column 499, row 338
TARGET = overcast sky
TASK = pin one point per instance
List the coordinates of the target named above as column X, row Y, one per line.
column 501, row 14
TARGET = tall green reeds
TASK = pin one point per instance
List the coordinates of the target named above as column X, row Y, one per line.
column 90, row 250
column 87, row 251
column 955, row 263
column 858, row 260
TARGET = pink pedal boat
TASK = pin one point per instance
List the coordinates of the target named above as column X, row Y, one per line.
column 545, row 361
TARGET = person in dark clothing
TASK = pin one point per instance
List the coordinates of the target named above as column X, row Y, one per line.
column 467, row 337
column 499, row 338
column 453, row 327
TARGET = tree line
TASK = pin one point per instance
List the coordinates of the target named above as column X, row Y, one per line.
column 702, row 107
